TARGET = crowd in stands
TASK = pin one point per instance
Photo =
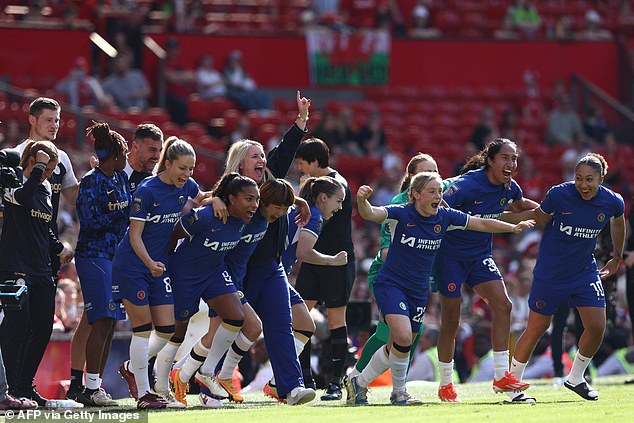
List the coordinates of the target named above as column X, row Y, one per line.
column 503, row 19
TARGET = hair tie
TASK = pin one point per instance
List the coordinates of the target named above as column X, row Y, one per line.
column 102, row 153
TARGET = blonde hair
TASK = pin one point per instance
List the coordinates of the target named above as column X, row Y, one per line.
column 419, row 181
column 173, row 149
column 238, row 153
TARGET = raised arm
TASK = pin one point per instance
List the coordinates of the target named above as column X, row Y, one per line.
column 367, row 210
column 497, row 226
column 280, row 159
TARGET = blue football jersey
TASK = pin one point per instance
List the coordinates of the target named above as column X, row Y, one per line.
column 209, row 241
column 159, row 205
column 313, row 226
column 474, row 194
column 103, row 208
column 569, row 240
column 415, row 242
column 237, row 259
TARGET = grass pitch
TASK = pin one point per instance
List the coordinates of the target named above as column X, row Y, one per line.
column 480, row 404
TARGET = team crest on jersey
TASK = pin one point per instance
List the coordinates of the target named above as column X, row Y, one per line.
column 601, row 217
column 503, row 202
column 111, row 306
column 437, row 228
column 539, row 304
column 453, row 188
column 181, row 199
column 451, row 287
column 136, row 205
column 240, row 294
column 402, row 305
column 140, row 295
column 184, row 313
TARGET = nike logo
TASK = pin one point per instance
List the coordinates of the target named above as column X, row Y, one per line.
column 228, row 284
column 478, row 202
column 110, row 192
column 565, row 213
column 409, row 225
column 157, row 204
column 215, row 230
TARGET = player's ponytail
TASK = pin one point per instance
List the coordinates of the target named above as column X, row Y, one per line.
column 232, row 184
column 108, row 143
column 595, row 161
column 488, row 152
column 174, row 148
column 411, row 168
column 312, row 187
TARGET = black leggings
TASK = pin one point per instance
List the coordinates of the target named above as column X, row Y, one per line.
column 24, row 334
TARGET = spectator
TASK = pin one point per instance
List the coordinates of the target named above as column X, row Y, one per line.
column 128, row 87
column 524, row 18
column 82, row 89
column 507, row 30
column 485, row 130
column 420, row 22
column 563, row 29
column 371, row 137
column 180, row 83
column 242, row 131
column 209, row 82
column 389, row 17
column 241, row 87
column 425, row 360
column 564, row 125
column 592, row 30
column 594, row 125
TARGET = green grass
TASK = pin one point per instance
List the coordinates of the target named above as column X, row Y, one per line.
column 555, row 404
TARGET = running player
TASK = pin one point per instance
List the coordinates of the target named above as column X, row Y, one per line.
column 329, row 284
column 276, row 196
column 139, row 275
column 103, row 207
column 265, row 282
column 574, row 214
column 401, row 288
column 419, row 163
column 198, row 272
column 324, row 196
column 465, row 257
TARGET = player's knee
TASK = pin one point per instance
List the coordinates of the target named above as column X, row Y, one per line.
column 502, row 307
column 233, row 324
column 165, row 331
column 402, row 346
column 595, row 329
